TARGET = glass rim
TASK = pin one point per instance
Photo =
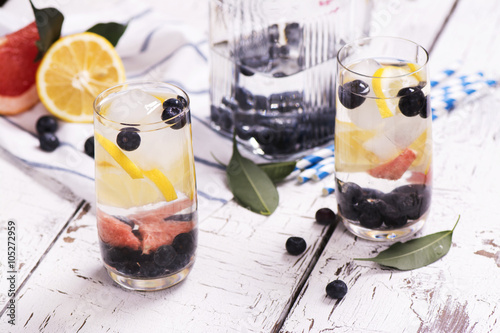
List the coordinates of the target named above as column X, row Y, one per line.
column 126, row 86
column 364, row 39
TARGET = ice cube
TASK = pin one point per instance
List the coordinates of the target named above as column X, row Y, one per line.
column 382, row 146
column 135, row 107
column 367, row 115
column 365, row 68
column 403, row 130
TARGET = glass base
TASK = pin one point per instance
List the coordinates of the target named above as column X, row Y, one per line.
column 381, row 235
column 152, row 284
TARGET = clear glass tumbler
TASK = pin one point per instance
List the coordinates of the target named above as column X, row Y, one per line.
column 145, row 184
column 383, row 138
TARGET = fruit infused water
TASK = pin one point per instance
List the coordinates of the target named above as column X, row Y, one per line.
column 145, row 184
column 383, row 138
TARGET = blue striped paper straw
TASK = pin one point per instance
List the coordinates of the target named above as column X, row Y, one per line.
column 308, row 173
column 445, row 74
column 463, row 79
column 324, row 171
column 315, row 157
column 329, row 189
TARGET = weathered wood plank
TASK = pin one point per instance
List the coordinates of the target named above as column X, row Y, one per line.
column 36, row 227
column 243, row 279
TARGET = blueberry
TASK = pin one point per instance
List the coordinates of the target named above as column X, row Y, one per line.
column 164, row 255
column 279, row 74
column 264, row 135
column 391, row 215
column 412, row 200
column 174, row 116
column 183, row 101
column 48, row 141
column 274, row 33
column 214, row 113
column 369, row 215
column 336, row 289
column 184, row 243
column 89, row 146
column 46, row 124
column 128, row 139
column 180, row 261
column 243, row 132
column 348, row 195
column 246, row 71
column 295, row 245
column 325, row 216
column 150, row 269
column 412, row 101
column 173, row 102
column 244, row 98
column 261, row 102
column 293, row 33
column 351, row 93
column 284, row 51
column 229, row 103
column 226, row 118
column 274, row 51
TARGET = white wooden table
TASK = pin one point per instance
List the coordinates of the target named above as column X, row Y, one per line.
column 243, row 279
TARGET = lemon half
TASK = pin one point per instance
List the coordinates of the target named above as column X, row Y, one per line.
column 74, row 71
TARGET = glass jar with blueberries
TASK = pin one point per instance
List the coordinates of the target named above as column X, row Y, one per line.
column 272, row 70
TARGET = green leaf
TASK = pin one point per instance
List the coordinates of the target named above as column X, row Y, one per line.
column 279, row 170
column 250, row 185
column 49, row 23
column 112, row 31
column 417, row 252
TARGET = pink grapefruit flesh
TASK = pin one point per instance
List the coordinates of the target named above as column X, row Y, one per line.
column 18, row 70
column 394, row 169
column 154, row 231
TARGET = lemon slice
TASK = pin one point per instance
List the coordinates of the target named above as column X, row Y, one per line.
column 350, row 155
column 162, row 182
column 74, row 71
column 155, row 175
column 386, row 83
column 133, row 170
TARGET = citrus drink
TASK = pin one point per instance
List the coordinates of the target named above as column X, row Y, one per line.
column 145, row 184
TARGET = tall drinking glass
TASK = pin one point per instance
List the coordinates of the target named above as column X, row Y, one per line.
column 383, row 138
column 145, row 184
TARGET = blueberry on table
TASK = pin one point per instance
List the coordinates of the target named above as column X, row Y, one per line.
column 325, row 216
column 46, row 124
column 336, row 289
column 174, row 116
column 295, row 245
column 412, row 101
column 351, row 94
column 128, row 139
column 89, row 146
column 48, row 142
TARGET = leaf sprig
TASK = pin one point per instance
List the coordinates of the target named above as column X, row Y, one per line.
column 416, row 253
column 49, row 23
column 253, row 184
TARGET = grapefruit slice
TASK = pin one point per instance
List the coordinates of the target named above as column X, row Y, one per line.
column 394, row 169
column 18, row 70
column 154, row 231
